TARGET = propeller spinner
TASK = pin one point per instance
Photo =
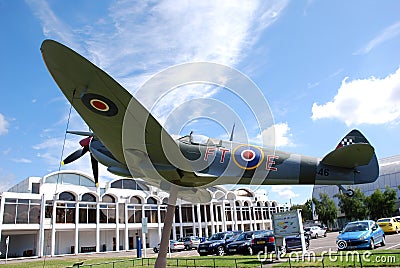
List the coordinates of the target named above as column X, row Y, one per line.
column 79, row 153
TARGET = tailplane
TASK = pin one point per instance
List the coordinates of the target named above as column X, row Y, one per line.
column 355, row 152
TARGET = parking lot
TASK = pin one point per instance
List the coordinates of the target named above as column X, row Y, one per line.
column 316, row 245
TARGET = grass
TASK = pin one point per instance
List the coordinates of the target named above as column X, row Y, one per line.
column 376, row 258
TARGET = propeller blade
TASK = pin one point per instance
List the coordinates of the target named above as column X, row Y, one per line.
column 95, row 169
column 72, row 157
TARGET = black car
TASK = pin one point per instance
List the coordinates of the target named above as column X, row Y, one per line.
column 215, row 244
column 263, row 242
column 293, row 243
column 242, row 244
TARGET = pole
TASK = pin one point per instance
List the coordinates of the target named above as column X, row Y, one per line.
column 161, row 261
column 7, row 242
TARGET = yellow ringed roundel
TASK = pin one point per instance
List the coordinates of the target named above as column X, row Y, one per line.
column 99, row 104
column 248, row 156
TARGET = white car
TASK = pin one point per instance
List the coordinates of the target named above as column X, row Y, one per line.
column 174, row 245
column 315, row 231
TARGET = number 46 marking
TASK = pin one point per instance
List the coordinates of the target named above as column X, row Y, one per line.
column 323, row 172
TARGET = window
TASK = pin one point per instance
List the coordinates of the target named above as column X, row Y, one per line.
column 108, row 199
column 151, row 200
column 87, row 213
column 65, row 212
column 35, row 188
column 66, row 196
column 107, row 213
column 21, row 211
column 88, row 197
column 134, row 214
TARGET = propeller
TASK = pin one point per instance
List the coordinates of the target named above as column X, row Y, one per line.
column 79, row 153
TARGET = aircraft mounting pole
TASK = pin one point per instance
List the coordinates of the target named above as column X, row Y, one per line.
column 161, row 261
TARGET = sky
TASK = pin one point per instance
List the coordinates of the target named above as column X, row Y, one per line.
column 325, row 67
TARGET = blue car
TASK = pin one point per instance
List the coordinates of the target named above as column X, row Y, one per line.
column 360, row 234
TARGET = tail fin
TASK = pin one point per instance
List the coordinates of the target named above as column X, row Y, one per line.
column 355, row 152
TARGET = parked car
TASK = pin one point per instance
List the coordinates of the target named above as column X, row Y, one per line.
column 360, row 234
column 242, row 244
column 263, row 242
column 191, row 242
column 315, row 231
column 389, row 225
column 215, row 244
column 174, row 245
column 293, row 243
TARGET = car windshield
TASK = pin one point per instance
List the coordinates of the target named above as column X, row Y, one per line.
column 384, row 220
column 217, row 236
column 264, row 234
column 356, row 227
column 244, row 236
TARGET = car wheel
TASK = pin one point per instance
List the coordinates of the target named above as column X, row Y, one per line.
column 383, row 242
column 397, row 230
column 249, row 251
column 325, row 234
column 371, row 244
column 220, row 251
column 316, row 236
column 155, row 250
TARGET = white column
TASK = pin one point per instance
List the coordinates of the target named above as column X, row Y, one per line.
column 116, row 226
column 41, row 225
column 223, row 216
column 194, row 220
column 159, row 220
column 235, row 218
column 205, row 219
column 241, row 217
column 180, row 220
column 200, row 234
column 126, row 226
column 212, row 218
column 76, row 245
column 53, row 229
column 254, row 217
column 174, row 227
column 98, row 227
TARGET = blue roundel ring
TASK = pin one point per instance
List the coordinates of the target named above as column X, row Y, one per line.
column 248, row 156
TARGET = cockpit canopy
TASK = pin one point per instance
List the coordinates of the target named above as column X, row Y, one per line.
column 197, row 139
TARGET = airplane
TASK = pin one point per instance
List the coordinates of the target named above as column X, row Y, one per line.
column 200, row 162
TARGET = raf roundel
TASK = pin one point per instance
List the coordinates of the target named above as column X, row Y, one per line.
column 99, row 104
column 248, row 157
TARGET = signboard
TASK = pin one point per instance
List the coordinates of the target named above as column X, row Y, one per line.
column 287, row 223
column 144, row 225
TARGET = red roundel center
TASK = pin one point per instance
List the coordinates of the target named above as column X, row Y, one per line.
column 248, row 155
column 99, row 105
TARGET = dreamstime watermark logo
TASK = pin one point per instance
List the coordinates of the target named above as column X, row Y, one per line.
column 332, row 256
column 152, row 153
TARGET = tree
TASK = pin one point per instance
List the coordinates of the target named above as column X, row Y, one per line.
column 325, row 208
column 374, row 204
column 306, row 210
column 353, row 207
column 389, row 197
column 382, row 205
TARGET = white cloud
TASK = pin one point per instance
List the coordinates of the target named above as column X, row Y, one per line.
column 22, row 160
column 387, row 34
column 280, row 132
column 284, row 191
column 3, row 125
column 364, row 101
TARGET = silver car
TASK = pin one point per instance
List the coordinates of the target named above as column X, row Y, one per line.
column 315, row 232
column 191, row 242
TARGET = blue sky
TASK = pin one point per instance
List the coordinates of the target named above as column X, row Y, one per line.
column 325, row 67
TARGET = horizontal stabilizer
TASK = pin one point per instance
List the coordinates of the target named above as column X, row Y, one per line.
column 350, row 156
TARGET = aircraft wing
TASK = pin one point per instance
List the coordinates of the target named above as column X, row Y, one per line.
column 103, row 104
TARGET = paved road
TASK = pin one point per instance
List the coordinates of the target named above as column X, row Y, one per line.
column 329, row 242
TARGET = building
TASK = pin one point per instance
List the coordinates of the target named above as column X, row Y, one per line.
column 389, row 175
column 64, row 213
